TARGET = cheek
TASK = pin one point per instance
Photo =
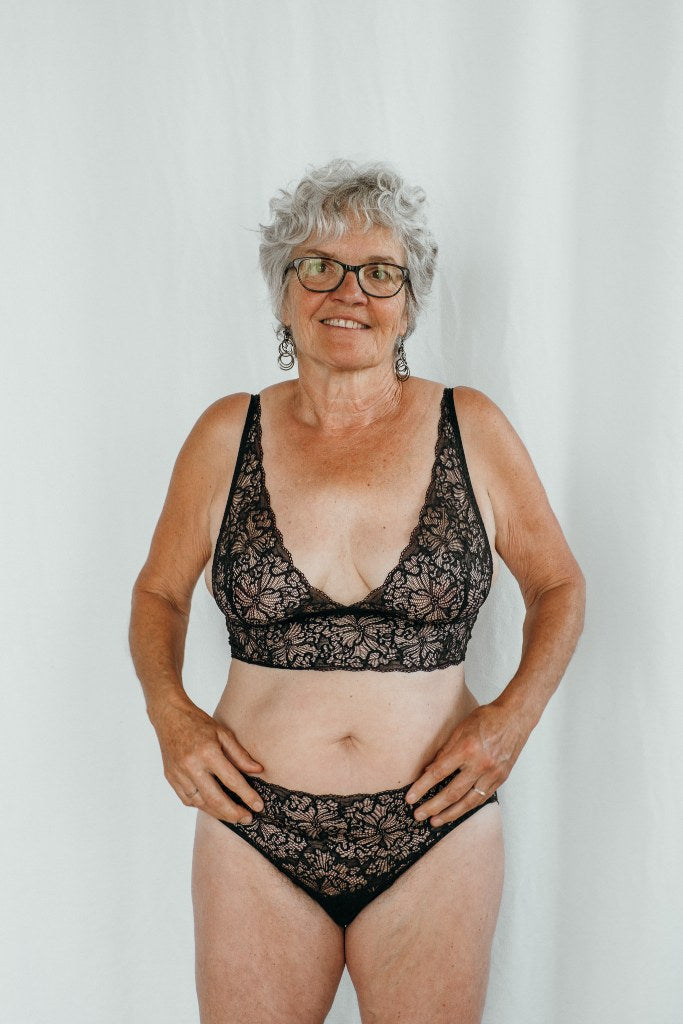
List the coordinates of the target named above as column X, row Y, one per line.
column 301, row 308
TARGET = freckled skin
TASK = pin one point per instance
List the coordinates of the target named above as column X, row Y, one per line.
column 340, row 348
column 345, row 446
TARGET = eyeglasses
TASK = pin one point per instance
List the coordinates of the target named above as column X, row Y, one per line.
column 318, row 274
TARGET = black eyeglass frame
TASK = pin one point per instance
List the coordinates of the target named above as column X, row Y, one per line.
column 294, row 265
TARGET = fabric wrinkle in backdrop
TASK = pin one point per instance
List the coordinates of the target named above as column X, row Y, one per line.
column 141, row 143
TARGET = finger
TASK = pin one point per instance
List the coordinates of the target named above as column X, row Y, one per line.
column 213, row 799
column 451, row 793
column 183, row 783
column 237, row 753
column 432, row 774
column 458, row 810
column 234, row 785
column 466, row 787
column 475, row 797
column 189, row 793
column 203, row 789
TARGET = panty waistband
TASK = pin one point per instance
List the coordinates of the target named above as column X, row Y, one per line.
column 283, row 793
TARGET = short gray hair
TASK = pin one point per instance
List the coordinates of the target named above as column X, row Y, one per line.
column 325, row 201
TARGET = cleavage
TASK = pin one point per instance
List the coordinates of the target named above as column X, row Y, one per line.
column 347, row 536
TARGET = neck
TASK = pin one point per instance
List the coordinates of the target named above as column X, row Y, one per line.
column 346, row 400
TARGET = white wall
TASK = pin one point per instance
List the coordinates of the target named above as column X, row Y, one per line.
column 141, row 142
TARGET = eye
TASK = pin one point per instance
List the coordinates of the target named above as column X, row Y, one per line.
column 379, row 272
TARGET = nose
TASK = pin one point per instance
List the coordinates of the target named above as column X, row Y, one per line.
column 350, row 290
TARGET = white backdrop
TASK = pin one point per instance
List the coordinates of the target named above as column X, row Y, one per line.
column 141, row 141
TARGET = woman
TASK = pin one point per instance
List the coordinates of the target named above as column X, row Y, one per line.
column 346, row 782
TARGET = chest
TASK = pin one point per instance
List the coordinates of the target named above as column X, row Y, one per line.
column 346, row 507
column 354, row 504
column 367, row 555
column 347, row 511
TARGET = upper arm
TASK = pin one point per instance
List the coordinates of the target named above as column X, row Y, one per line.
column 181, row 545
column 529, row 538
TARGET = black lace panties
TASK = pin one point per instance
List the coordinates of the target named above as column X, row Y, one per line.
column 342, row 850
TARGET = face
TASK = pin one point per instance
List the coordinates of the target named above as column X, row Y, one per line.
column 371, row 326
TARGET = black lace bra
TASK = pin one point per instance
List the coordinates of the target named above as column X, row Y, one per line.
column 420, row 618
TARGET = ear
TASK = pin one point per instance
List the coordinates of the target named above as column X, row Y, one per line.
column 285, row 312
column 404, row 320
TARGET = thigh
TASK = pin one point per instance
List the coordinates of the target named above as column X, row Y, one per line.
column 265, row 951
column 421, row 949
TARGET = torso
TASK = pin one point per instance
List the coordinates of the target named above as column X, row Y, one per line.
column 346, row 506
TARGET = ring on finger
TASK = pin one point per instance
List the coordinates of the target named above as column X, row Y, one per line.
column 481, row 792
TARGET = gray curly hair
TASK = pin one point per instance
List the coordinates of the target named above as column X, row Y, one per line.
column 325, row 201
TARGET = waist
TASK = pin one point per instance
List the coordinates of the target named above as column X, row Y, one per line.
column 342, row 732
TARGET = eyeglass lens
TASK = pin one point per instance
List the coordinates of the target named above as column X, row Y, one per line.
column 379, row 279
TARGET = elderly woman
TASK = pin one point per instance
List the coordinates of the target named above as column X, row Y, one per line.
column 349, row 523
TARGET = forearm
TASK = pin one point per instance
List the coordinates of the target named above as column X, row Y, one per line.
column 552, row 626
column 157, row 645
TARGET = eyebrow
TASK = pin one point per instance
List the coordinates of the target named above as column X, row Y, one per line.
column 370, row 259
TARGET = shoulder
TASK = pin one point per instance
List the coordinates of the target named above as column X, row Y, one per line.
column 472, row 404
column 528, row 535
column 220, row 425
column 212, row 445
column 502, row 461
column 486, row 431
column 225, row 415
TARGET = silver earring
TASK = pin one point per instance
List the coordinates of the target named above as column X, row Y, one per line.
column 401, row 366
column 287, row 348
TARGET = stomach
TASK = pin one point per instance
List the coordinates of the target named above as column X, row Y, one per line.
column 342, row 732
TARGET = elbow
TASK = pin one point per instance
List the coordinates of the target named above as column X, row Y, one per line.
column 574, row 589
column 579, row 588
column 570, row 591
column 146, row 589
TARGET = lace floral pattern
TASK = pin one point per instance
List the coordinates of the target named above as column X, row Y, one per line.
column 335, row 845
column 419, row 619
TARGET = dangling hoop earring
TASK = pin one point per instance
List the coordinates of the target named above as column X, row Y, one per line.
column 287, row 348
column 400, row 365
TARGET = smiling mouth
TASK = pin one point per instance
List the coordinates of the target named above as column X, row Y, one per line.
column 350, row 324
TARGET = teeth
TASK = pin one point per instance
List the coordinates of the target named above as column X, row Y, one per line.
column 345, row 323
